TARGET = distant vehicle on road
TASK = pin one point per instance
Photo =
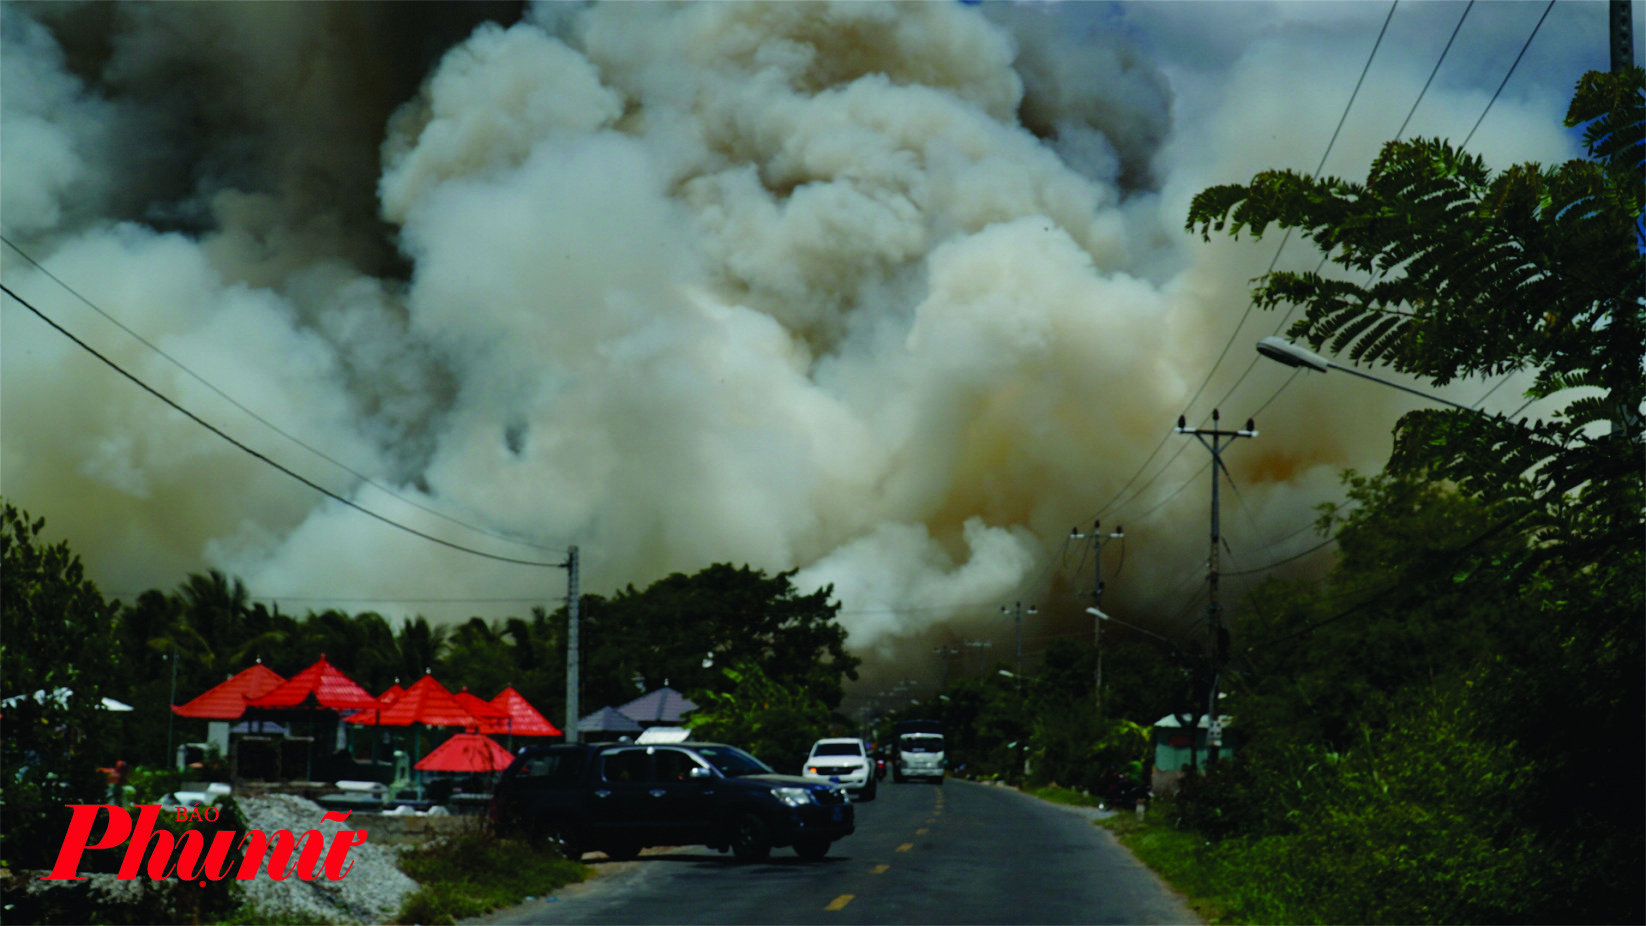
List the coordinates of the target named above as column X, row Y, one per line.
column 844, row 762
column 918, row 750
column 619, row 798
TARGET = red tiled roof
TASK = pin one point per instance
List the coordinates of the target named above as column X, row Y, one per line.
column 370, row 716
column 466, row 752
column 227, row 701
column 524, row 720
column 480, row 707
column 329, row 686
column 426, row 702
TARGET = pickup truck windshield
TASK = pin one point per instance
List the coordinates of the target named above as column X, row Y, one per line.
column 837, row 749
column 733, row 762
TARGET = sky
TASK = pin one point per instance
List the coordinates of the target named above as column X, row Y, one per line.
column 891, row 295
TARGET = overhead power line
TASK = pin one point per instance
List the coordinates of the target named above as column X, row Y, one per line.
column 1508, row 74
column 259, row 418
column 304, row 480
column 1488, row 108
column 1273, row 262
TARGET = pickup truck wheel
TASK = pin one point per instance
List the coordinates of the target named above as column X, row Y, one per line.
column 868, row 793
column 751, row 838
column 812, row 848
column 560, row 835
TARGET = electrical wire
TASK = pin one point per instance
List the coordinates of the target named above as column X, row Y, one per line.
column 254, row 415
column 1488, row 108
column 1273, row 262
column 303, row 479
column 1435, row 70
column 1281, row 562
column 1505, row 81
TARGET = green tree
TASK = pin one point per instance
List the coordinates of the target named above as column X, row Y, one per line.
column 1526, row 614
column 683, row 629
column 57, row 633
column 774, row 720
column 1534, row 269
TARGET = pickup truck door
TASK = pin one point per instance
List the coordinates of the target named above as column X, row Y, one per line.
column 684, row 791
column 619, row 803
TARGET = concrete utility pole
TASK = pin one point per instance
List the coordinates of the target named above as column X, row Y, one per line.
column 573, row 644
column 979, row 644
column 1219, row 441
column 1017, row 613
column 171, row 715
column 1622, row 35
column 945, row 651
column 1098, row 539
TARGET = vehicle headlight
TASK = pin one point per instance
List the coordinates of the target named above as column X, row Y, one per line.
column 794, row 797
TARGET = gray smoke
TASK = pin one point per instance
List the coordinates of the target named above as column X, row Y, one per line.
column 894, row 294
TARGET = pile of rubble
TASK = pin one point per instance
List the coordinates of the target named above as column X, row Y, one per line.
column 371, row 892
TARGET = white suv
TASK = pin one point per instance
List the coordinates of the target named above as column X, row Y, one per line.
column 844, row 762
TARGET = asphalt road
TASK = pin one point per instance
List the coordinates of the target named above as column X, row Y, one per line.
column 923, row 853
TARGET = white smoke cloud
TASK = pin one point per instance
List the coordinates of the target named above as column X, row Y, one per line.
column 892, row 294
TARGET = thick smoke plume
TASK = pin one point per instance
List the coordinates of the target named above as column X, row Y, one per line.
column 894, row 294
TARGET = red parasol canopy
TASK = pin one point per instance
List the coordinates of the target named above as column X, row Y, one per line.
column 227, row 701
column 524, row 720
column 466, row 752
column 328, row 686
column 426, row 702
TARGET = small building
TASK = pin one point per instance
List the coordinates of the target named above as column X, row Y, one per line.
column 1177, row 749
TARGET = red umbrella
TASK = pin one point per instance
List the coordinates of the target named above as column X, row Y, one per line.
column 466, row 752
column 227, row 701
column 523, row 718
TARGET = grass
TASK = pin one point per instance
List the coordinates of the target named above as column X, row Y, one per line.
column 1183, row 858
column 476, row 873
column 1058, row 795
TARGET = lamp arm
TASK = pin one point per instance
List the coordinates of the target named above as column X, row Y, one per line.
column 1403, row 388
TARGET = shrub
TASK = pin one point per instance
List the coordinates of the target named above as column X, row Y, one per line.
column 474, row 872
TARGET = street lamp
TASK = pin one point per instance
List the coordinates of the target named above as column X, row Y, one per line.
column 1292, row 355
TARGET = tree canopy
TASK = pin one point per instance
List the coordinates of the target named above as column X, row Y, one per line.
column 1467, row 681
column 56, row 637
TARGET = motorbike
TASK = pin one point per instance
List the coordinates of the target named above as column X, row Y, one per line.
column 1122, row 792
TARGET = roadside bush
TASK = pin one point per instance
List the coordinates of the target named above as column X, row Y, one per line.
column 1413, row 826
column 151, row 784
column 474, row 873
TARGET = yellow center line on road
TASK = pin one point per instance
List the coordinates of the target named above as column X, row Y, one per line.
column 905, row 847
column 840, row 901
column 879, row 869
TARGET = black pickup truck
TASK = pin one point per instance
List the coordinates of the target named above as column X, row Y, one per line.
column 619, row 798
